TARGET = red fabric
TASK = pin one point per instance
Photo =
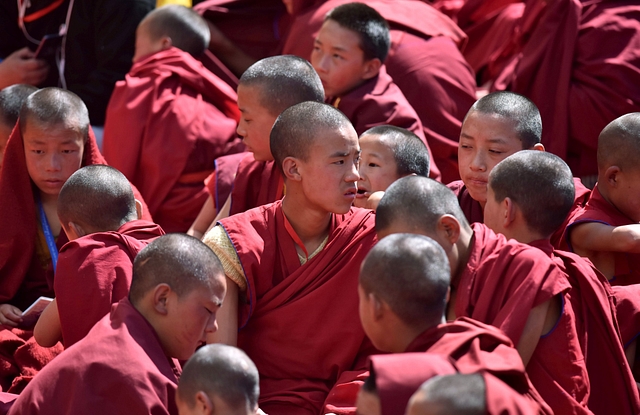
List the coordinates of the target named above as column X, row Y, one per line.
column 558, row 239
column 288, row 305
column 220, row 182
column 6, row 400
column 256, row 183
column 502, row 399
column 598, row 209
column 554, row 58
column 167, row 122
column 119, row 367
column 94, row 272
column 628, row 311
column 470, row 207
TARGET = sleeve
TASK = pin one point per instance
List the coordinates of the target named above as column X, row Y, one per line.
column 219, row 242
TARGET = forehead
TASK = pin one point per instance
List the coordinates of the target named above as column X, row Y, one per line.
column 331, row 140
column 56, row 132
column 490, row 127
column 338, row 36
column 250, row 98
column 376, row 143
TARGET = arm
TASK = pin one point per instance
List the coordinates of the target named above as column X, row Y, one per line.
column 230, row 54
column 594, row 236
column 227, row 318
column 224, row 213
column 47, row 331
column 541, row 320
column 204, row 219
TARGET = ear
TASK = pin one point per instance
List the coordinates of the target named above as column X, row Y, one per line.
column 139, row 209
column 448, row 228
column 376, row 307
column 508, row 210
column 74, row 231
column 539, row 147
column 166, row 42
column 203, row 404
column 160, row 297
column 611, row 176
column 291, row 168
column 371, row 68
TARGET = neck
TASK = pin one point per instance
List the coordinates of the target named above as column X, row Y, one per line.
column 405, row 335
column 311, row 225
column 462, row 251
column 48, row 199
column 524, row 236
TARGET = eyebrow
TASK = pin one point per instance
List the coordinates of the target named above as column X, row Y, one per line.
column 491, row 140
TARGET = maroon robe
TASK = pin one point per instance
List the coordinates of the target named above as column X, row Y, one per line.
column 167, row 122
column 256, row 183
column 598, row 209
column 288, row 304
column 220, row 182
column 94, row 272
column 470, row 207
column 118, row 368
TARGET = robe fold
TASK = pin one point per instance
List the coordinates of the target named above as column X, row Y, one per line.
column 220, row 182
column 598, row 209
column 256, row 183
column 94, row 272
column 119, row 367
column 166, row 124
column 293, row 314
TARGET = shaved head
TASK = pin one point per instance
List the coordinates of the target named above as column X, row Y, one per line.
column 450, row 395
column 283, row 81
column 540, row 183
column 54, row 106
column 11, row 100
column 223, row 371
column 418, row 202
column 619, row 143
column 187, row 29
column 411, row 274
column 99, row 198
column 410, row 153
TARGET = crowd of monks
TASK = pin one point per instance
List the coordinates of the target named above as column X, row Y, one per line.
column 331, row 207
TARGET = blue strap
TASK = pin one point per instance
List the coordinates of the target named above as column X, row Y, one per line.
column 48, row 235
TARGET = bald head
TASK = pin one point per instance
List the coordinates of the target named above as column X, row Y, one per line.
column 221, row 371
column 187, row 30
column 540, row 184
column 283, row 81
column 619, row 143
column 98, row 198
column 299, row 126
column 411, row 274
column 409, row 152
column 53, row 107
column 11, row 100
column 417, row 202
column 516, row 108
column 450, row 395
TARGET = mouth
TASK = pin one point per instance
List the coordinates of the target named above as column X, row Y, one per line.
column 476, row 182
column 351, row 193
column 363, row 194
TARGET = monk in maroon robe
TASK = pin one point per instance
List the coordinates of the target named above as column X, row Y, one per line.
column 170, row 118
column 293, row 264
column 128, row 361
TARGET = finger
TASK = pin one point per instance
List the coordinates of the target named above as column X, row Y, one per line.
column 6, row 322
column 24, row 53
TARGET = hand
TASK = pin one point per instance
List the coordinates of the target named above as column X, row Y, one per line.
column 374, row 200
column 22, row 68
column 10, row 316
column 260, row 412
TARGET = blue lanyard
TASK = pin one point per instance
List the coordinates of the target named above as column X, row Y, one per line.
column 48, row 235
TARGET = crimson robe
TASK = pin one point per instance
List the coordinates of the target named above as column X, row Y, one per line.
column 167, row 122
column 220, row 182
column 598, row 209
column 293, row 314
column 555, row 58
column 94, row 272
column 118, row 368
column 500, row 284
column 256, row 183
column 470, row 207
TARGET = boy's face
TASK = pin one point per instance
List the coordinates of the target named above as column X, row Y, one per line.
column 145, row 46
column 378, row 168
column 626, row 196
column 255, row 122
column 367, row 318
column 493, row 212
column 53, row 153
column 339, row 59
column 485, row 140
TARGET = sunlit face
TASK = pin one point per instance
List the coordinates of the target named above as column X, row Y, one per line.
column 338, row 59
column 368, row 403
column 184, row 408
column 378, row 167
column 485, row 140
column 255, row 122
column 145, row 45
column 493, row 214
column 53, row 153
column 626, row 196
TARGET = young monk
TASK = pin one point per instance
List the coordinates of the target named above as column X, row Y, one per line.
column 388, row 153
column 348, row 53
column 606, row 230
column 218, row 380
column 266, row 89
column 11, row 100
column 293, row 265
column 403, row 290
column 509, row 285
column 170, row 118
column 128, row 361
column 496, row 126
column 528, row 195
column 100, row 216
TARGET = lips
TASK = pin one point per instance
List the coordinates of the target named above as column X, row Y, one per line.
column 351, row 193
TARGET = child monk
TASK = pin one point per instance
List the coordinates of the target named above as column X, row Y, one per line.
column 403, row 290
column 11, row 100
column 128, row 363
column 267, row 88
column 528, row 195
column 218, row 380
column 388, row 153
column 498, row 125
column 607, row 230
column 170, row 118
column 509, row 285
column 99, row 215
column 293, row 265
column 349, row 53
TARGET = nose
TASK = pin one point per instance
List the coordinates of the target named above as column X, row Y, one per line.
column 53, row 162
column 242, row 132
column 353, row 175
column 478, row 163
column 212, row 325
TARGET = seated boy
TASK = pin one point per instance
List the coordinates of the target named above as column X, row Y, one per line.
column 128, row 363
column 528, row 195
column 170, row 118
column 266, row 89
column 218, row 380
column 606, row 230
column 99, row 215
column 403, row 290
column 348, row 54
column 509, row 285
column 11, row 100
column 388, row 153
column 293, row 265
column 498, row 125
